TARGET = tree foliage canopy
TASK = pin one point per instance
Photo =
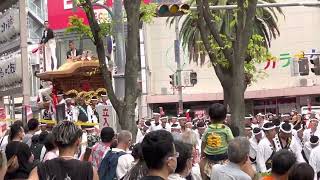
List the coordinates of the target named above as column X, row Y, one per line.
column 265, row 29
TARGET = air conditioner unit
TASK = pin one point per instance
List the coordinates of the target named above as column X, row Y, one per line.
column 164, row 91
column 304, row 82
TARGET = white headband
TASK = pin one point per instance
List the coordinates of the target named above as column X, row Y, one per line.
column 281, row 129
column 269, row 128
column 299, row 129
column 257, row 133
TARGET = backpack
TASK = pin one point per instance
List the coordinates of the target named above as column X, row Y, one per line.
column 36, row 150
column 108, row 165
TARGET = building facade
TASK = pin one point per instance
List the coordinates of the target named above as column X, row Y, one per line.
column 11, row 86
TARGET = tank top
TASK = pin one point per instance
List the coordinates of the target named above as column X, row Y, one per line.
column 61, row 169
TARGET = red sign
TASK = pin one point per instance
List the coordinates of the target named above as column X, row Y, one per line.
column 59, row 12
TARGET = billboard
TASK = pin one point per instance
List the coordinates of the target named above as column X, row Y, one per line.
column 60, row 10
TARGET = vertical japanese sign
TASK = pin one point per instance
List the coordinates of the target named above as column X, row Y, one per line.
column 106, row 116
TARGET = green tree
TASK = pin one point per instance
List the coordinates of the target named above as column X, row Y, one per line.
column 125, row 108
column 238, row 39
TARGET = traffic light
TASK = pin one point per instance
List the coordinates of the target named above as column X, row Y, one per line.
column 172, row 79
column 193, row 78
column 303, row 66
column 316, row 62
column 166, row 10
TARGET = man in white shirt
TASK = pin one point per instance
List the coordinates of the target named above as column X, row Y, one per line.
column 254, row 141
column 125, row 160
column 284, row 140
column 313, row 125
column 156, row 125
column 49, row 42
column 313, row 143
column 164, row 123
column 266, row 148
column 92, row 111
column 314, row 161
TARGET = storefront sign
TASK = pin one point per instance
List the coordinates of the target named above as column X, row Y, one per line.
column 10, row 71
column 9, row 26
column 59, row 12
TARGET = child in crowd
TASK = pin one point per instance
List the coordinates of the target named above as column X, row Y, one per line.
column 215, row 140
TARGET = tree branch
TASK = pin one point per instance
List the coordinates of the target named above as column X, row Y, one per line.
column 245, row 19
column 221, row 72
column 205, row 12
column 95, row 28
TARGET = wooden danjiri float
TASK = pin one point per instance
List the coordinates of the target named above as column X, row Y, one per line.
column 78, row 77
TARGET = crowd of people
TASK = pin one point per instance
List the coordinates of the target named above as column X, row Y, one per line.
column 175, row 148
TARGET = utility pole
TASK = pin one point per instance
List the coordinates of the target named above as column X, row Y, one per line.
column 120, row 58
column 178, row 61
column 24, row 58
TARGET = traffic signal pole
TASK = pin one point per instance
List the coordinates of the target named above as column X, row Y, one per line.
column 120, row 56
column 292, row 4
column 178, row 61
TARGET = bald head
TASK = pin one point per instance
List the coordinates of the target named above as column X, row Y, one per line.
column 124, row 137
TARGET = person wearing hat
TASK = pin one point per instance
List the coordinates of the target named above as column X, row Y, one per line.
column 81, row 111
column 60, row 97
column 266, row 148
column 277, row 122
column 260, row 119
column 156, row 124
column 248, row 131
column 104, row 99
column 164, row 123
column 189, row 124
column 92, row 111
column 284, row 140
column 182, row 122
column 69, row 109
column 311, row 144
column 144, row 131
column 254, row 141
column 312, row 130
column 200, row 129
column 297, row 133
column 296, row 118
column 173, row 120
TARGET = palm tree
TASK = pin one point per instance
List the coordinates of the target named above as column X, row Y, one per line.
column 265, row 25
column 216, row 34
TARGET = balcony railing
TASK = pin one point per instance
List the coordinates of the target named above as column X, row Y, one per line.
column 36, row 10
